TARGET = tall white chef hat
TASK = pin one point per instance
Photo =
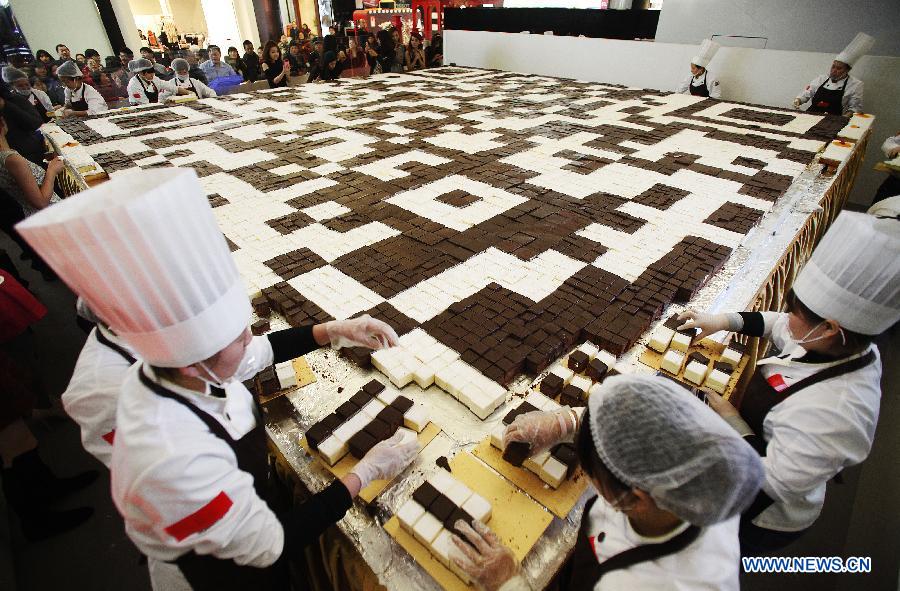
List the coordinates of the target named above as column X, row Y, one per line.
column 707, row 50
column 853, row 275
column 859, row 47
column 886, row 208
column 146, row 254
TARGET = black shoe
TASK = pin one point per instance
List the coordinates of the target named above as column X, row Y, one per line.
column 45, row 524
column 41, row 484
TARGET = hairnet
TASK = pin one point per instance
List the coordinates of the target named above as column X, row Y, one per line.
column 656, row 436
column 70, row 69
column 140, row 65
column 180, row 64
column 11, row 74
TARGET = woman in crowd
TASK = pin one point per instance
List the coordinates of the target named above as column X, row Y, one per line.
column 146, row 87
column 355, row 63
column 434, row 53
column 26, row 182
column 44, row 57
column 386, row 51
column 372, row 54
column 234, row 60
column 811, row 407
column 81, row 100
column 39, row 99
column 81, row 60
column 52, row 87
column 274, row 66
column 332, row 65
column 672, row 480
column 399, row 63
column 415, row 55
column 183, row 79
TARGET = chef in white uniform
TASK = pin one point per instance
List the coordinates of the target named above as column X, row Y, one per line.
column 672, row 479
column 81, row 99
column 183, row 79
column 190, row 473
column 891, row 185
column 701, row 82
column 812, row 406
column 92, row 396
column 838, row 93
column 146, row 87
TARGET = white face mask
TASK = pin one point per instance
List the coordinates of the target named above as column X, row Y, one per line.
column 244, row 368
column 182, row 78
column 793, row 348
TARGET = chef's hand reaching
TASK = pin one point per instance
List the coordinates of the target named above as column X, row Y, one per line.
column 364, row 331
column 484, row 557
column 387, row 459
column 541, row 429
column 797, row 104
column 709, row 323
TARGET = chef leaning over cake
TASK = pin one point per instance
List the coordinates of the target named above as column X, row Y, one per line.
column 838, row 93
column 812, row 405
column 701, row 82
column 189, row 466
column 146, row 87
column 672, row 479
column 82, row 99
column 183, row 79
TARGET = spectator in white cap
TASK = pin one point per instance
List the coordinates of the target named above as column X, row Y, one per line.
column 701, row 82
column 811, row 407
column 38, row 98
column 82, row 99
column 672, row 477
column 183, row 79
column 838, row 93
column 145, row 87
column 189, row 465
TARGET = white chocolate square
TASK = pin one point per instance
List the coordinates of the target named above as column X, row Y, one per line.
column 441, row 480
column 424, row 376
column 590, row 349
column 388, row 395
column 582, row 383
column 416, row 418
column 563, row 372
column 717, row 381
column 440, row 547
column 459, row 493
column 671, row 361
column 553, row 472
column 427, row 529
column 372, row 408
column 497, row 436
column 695, row 372
column 535, row 462
column 731, row 357
column 333, row 449
column 608, row 359
column 478, row 507
column 680, row 342
column 661, row 338
column 409, row 514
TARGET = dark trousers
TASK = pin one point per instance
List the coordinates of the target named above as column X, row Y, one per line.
column 889, row 188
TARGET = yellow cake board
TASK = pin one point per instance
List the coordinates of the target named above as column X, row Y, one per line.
column 348, row 462
column 559, row 501
column 707, row 347
column 305, row 376
column 516, row 519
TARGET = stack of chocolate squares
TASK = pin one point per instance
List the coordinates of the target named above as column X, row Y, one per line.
column 372, row 414
column 273, row 379
column 572, row 380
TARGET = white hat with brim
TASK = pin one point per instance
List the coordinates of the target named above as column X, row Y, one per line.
column 708, row 50
column 860, row 46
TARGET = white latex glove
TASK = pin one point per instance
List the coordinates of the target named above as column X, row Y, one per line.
column 797, row 104
column 707, row 323
column 541, row 429
column 364, row 331
column 489, row 563
column 386, row 459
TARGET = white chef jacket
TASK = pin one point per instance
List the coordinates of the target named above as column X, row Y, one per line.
column 178, row 486
column 95, row 101
column 39, row 99
column 137, row 96
column 889, row 144
column 813, row 434
column 712, row 84
column 853, row 94
column 202, row 90
column 711, row 562
column 93, row 393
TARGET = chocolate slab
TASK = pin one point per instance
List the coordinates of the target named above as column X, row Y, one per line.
column 723, row 367
column 516, row 452
column 361, row 398
column 551, row 385
column 402, row 404
column 373, row 388
column 441, row 508
column 380, row 430
column 391, row 416
column 578, row 361
column 347, row 410
column 596, row 370
column 360, row 444
column 425, row 495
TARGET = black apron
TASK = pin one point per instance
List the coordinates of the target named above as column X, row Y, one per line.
column 584, row 572
column 700, row 90
column 190, row 87
column 40, row 107
column 828, row 101
column 153, row 97
column 80, row 105
column 205, row 572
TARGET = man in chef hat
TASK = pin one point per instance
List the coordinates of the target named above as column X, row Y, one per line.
column 838, row 93
column 189, row 466
column 701, row 82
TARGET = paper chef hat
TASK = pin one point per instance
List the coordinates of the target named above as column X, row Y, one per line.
column 859, row 47
column 146, row 254
column 853, row 275
column 708, row 49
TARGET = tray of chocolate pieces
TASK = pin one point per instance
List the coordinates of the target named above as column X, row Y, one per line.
column 571, row 380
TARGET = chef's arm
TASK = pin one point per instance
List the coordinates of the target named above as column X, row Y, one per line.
column 757, row 324
column 890, row 146
column 305, row 523
column 855, row 100
column 807, row 93
column 683, row 86
column 294, row 342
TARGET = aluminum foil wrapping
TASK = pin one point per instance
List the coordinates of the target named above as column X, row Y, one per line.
column 731, row 289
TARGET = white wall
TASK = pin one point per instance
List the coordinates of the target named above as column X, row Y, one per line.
column 808, row 25
column 221, row 23
column 125, row 17
column 76, row 23
column 246, row 16
column 761, row 76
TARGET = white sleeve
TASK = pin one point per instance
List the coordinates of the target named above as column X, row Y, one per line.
column 196, row 498
column 205, row 91
column 44, row 99
column 683, row 87
column 890, row 144
column 855, row 98
column 517, row 583
column 136, row 94
column 715, row 89
column 95, row 101
column 810, row 90
column 167, row 89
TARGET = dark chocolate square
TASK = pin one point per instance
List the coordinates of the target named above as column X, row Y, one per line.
column 347, row 410
column 402, row 404
column 458, row 514
column 425, row 495
column 441, row 508
column 551, row 385
column 698, row 357
column 317, row 433
column 373, row 388
column 332, row 421
column 360, row 444
column 361, row 398
column 596, row 370
column 391, row 416
column 380, row 430
column 516, row 452
column 578, row 361
column 565, row 453
column 723, row 367
column 511, row 416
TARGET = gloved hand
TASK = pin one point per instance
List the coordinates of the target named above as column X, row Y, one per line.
column 386, row 459
column 541, row 429
column 709, row 323
column 364, row 331
column 797, row 104
column 489, row 563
